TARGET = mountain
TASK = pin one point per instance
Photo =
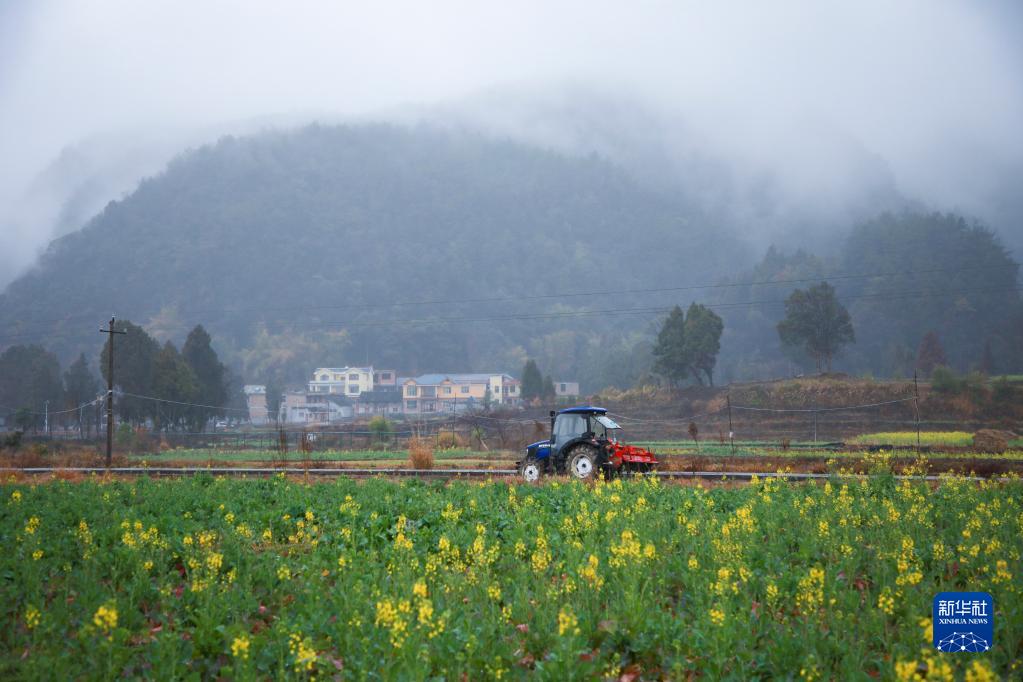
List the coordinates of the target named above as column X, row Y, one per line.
column 311, row 239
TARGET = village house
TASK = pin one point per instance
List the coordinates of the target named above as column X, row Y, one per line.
column 255, row 400
column 440, row 393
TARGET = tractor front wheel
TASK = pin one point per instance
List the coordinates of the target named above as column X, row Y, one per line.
column 582, row 462
column 530, row 470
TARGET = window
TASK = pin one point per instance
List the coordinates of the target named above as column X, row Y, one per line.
column 411, row 404
column 447, row 390
column 324, row 377
column 353, row 377
column 353, row 390
column 411, row 390
column 465, row 389
column 569, row 426
column 385, row 376
column 429, row 391
column 564, row 389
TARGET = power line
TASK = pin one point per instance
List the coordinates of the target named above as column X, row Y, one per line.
column 179, row 402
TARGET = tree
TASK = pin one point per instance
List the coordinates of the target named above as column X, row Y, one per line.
column 532, row 381
column 29, row 378
column 174, row 382
column 816, row 322
column 80, row 387
column 987, row 360
column 134, row 355
column 273, row 400
column 670, row 360
column 702, row 341
column 930, row 354
column 211, row 377
column 548, row 391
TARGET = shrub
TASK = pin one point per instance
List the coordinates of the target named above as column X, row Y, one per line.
column 420, row 453
column 381, row 430
column 446, row 440
column 945, row 381
column 12, row 440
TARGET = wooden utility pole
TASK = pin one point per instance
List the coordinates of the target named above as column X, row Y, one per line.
column 110, row 390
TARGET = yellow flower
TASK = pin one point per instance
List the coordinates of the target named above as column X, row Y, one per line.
column 567, row 622
column 694, row 563
column 37, row 555
column 105, row 617
column 494, row 591
column 32, row 616
column 32, row 525
column 305, row 655
column 928, row 630
column 980, row 672
column 419, row 589
column 886, row 602
column 240, row 647
column 16, row 496
column 717, row 616
column 284, row 573
column 342, row 562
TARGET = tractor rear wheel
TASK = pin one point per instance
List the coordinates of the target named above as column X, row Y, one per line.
column 530, row 470
column 582, row 462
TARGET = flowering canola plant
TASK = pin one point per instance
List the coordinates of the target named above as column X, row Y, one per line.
column 273, row 578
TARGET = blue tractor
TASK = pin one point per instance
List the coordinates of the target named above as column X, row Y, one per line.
column 584, row 441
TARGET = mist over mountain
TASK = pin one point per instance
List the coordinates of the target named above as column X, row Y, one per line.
column 326, row 228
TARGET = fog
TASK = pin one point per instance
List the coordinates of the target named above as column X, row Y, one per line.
column 790, row 119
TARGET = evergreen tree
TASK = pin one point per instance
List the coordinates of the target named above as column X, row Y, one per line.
column 532, row 381
column 211, row 377
column 702, row 341
column 671, row 360
column 134, row 354
column 80, row 386
column 548, row 392
column 274, row 392
column 930, row 354
column 29, row 378
column 816, row 322
column 987, row 360
column 175, row 383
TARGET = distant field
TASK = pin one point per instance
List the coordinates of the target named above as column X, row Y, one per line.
column 188, row 455
column 939, row 438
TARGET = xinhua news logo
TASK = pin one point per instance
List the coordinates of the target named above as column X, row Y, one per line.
column 963, row 622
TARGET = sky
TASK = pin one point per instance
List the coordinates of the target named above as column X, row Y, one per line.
column 926, row 93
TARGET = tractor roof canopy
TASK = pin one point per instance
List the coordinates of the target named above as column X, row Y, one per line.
column 583, row 409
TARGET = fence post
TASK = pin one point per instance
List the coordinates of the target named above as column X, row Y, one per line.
column 815, row 423
column 731, row 433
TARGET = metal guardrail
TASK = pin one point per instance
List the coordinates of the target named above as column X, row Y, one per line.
column 243, row 472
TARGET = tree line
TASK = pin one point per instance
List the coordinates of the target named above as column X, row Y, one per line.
column 192, row 384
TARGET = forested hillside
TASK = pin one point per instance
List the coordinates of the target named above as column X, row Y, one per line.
column 425, row 250
column 297, row 248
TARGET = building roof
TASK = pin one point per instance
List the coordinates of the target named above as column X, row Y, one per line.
column 252, row 389
column 459, row 378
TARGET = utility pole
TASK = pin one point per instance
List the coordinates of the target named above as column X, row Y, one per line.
column 110, row 390
column 46, row 418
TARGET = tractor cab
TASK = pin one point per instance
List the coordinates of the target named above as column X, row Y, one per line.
column 583, row 441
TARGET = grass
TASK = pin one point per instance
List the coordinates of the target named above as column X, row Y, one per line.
column 209, row 578
column 186, row 455
column 932, row 438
